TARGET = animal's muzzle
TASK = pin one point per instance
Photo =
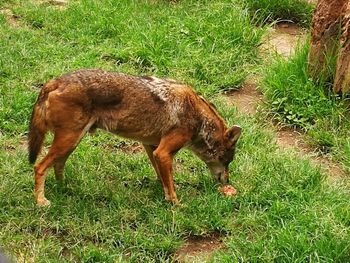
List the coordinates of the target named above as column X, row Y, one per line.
column 223, row 177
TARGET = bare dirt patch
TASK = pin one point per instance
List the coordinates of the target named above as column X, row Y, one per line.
column 329, row 167
column 283, row 39
column 52, row 2
column 58, row 2
column 11, row 18
column 198, row 248
column 246, row 98
column 13, row 146
column 288, row 138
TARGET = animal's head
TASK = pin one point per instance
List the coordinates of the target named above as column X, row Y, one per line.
column 219, row 152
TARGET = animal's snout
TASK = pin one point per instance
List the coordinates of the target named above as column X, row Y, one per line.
column 219, row 172
column 223, row 177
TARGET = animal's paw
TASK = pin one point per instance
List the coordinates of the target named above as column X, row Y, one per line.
column 228, row 190
column 42, row 202
column 172, row 200
column 175, row 202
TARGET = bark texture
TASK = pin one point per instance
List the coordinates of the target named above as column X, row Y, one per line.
column 325, row 34
column 342, row 76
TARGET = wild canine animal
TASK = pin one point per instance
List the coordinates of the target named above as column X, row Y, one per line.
column 162, row 114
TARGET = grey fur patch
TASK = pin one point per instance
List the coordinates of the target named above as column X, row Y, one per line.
column 158, row 87
column 206, row 132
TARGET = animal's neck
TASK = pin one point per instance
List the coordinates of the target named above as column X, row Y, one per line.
column 212, row 127
column 211, row 120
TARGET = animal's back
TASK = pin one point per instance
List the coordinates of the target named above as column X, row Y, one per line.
column 142, row 108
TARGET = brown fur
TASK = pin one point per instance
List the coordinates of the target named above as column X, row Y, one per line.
column 162, row 114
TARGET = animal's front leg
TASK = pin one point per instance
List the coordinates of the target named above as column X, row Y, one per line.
column 163, row 157
column 164, row 164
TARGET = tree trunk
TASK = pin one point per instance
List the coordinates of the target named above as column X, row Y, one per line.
column 342, row 76
column 325, row 36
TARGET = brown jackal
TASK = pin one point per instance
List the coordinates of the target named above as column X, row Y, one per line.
column 162, row 114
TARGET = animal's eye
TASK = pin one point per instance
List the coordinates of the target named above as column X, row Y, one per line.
column 227, row 158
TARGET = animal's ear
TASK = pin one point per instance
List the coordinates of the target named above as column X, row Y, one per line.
column 233, row 134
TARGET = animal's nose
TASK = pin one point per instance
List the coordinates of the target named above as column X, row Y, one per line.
column 224, row 177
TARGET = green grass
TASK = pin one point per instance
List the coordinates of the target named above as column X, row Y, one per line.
column 295, row 99
column 298, row 11
column 111, row 207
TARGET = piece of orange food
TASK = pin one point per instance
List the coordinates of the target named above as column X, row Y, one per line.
column 228, row 190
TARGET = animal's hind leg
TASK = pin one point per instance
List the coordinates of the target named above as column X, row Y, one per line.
column 63, row 144
column 59, row 167
column 149, row 150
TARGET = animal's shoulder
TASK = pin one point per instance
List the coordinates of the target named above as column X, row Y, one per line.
column 164, row 89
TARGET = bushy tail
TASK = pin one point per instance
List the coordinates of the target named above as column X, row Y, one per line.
column 37, row 131
column 38, row 127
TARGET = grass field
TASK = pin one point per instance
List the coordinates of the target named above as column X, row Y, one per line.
column 111, row 207
column 297, row 11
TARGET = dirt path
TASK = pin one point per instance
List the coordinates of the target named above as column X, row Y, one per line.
column 281, row 39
